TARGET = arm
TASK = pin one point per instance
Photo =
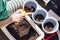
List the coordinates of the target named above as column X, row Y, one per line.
column 5, row 22
column 15, row 17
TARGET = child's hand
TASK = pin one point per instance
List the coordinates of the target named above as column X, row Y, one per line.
column 17, row 17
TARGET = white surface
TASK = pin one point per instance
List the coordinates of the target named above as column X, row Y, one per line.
column 58, row 32
column 53, row 14
column 46, row 1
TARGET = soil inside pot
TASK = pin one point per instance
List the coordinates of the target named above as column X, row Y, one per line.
column 39, row 18
column 29, row 8
column 48, row 26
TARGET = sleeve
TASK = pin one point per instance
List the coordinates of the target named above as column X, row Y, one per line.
column 4, row 13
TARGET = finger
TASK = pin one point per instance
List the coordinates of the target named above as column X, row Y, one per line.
column 22, row 17
column 21, row 14
column 20, row 21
